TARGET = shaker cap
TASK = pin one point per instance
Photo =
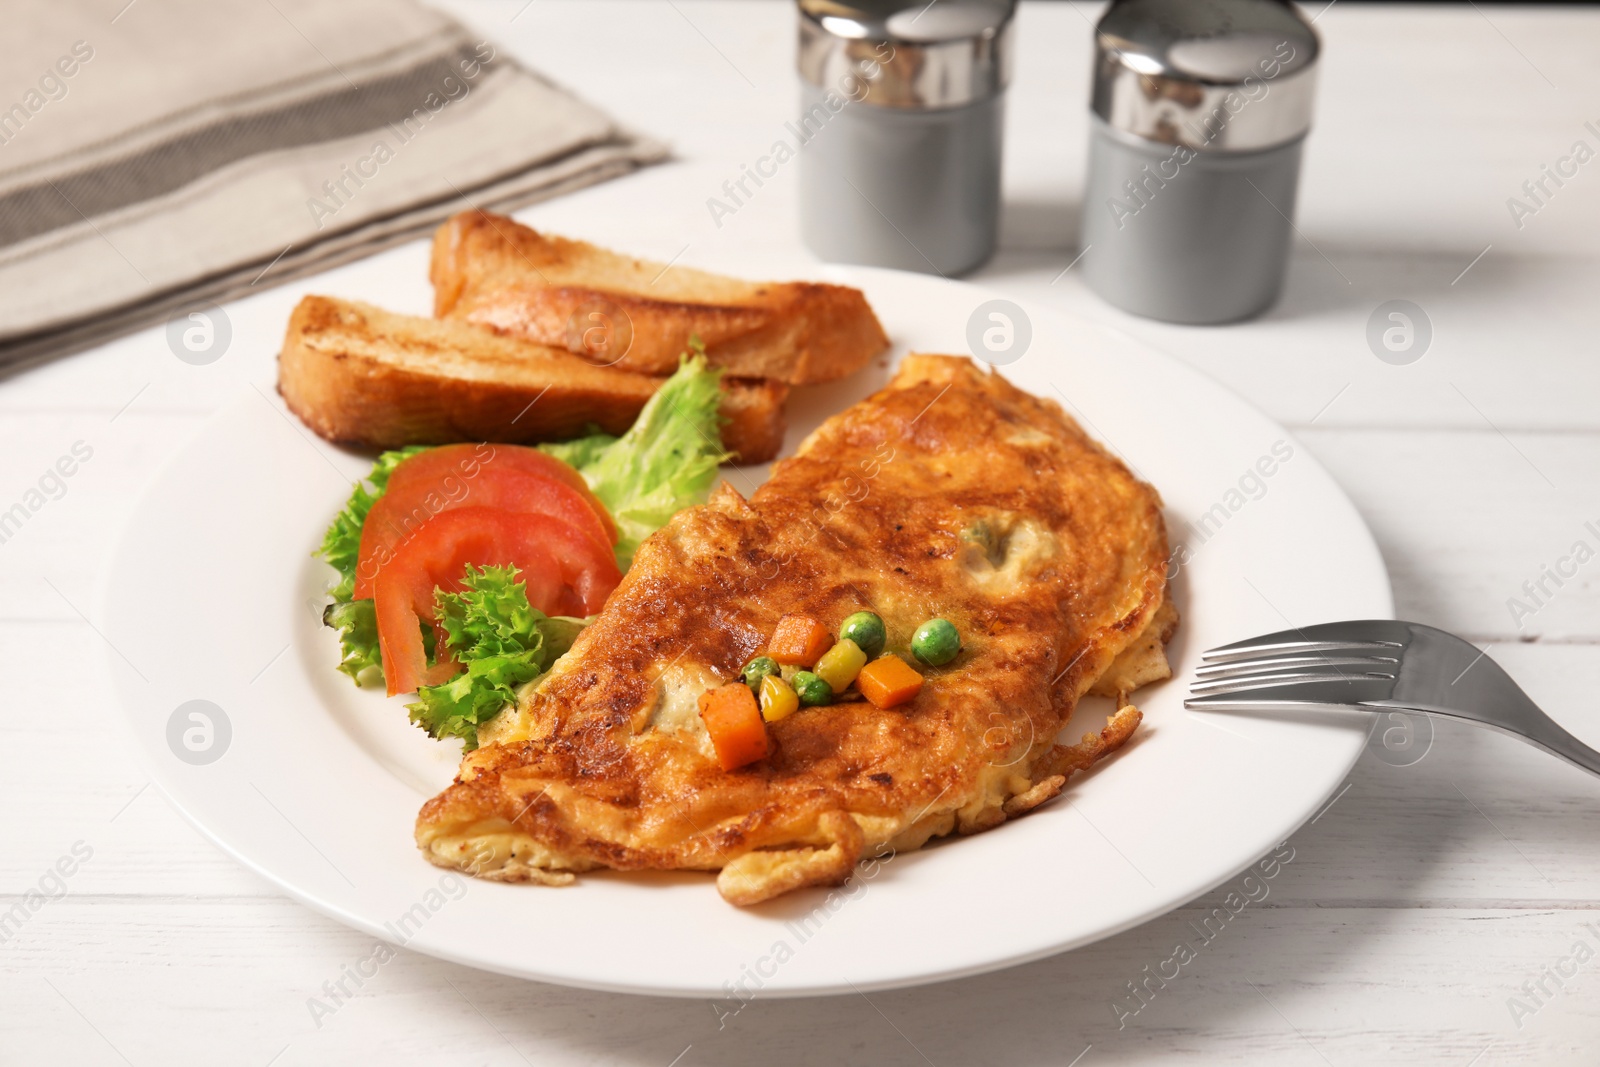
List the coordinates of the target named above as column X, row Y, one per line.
column 1214, row 75
column 907, row 54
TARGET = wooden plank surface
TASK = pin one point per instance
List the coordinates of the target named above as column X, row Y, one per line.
column 1416, row 906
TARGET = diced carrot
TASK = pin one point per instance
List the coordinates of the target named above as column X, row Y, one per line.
column 733, row 720
column 887, row 681
column 799, row 640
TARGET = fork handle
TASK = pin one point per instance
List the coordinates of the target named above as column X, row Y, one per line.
column 1556, row 741
column 1546, row 734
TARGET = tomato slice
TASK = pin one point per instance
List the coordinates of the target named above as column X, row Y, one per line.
column 402, row 511
column 565, row 571
column 467, row 461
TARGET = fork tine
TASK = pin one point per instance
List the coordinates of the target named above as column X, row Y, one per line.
column 1368, row 631
column 1317, row 693
column 1375, row 635
column 1231, row 668
column 1297, row 647
column 1264, row 681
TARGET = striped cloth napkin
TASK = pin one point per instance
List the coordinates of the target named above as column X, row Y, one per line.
column 175, row 153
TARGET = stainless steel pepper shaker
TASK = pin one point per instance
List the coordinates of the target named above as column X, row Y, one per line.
column 902, row 103
column 1200, row 110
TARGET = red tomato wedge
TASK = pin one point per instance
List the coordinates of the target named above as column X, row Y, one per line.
column 507, row 482
column 565, row 571
column 466, row 461
column 400, row 514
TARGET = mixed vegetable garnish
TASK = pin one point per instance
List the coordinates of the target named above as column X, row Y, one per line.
column 803, row 666
column 466, row 570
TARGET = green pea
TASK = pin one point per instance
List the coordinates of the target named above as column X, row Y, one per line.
column 866, row 630
column 936, row 642
column 813, row 691
column 758, row 669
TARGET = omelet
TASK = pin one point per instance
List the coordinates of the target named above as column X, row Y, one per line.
column 950, row 493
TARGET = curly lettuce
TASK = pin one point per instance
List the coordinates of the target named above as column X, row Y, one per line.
column 580, row 452
column 357, row 623
column 502, row 643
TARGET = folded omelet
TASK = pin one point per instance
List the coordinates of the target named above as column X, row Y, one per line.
column 951, row 494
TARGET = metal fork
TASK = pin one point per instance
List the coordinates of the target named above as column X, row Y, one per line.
column 1378, row 665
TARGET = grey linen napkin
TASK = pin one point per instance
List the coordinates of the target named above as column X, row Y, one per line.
column 159, row 155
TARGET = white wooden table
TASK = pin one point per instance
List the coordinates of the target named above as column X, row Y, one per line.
column 1415, row 907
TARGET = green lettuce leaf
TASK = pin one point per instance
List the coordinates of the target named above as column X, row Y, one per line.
column 666, row 462
column 580, row 452
column 357, row 624
column 502, row 642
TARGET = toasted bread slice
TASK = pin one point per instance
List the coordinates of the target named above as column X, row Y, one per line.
column 359, row 375
column 492, row 271
column 753, row 414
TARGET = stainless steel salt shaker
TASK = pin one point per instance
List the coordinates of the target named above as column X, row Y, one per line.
column 902, row 103
column 1199, row 113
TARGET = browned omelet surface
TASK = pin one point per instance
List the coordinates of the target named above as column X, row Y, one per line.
column 949, row 493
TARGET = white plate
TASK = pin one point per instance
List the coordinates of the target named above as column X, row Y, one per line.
column 213, row 596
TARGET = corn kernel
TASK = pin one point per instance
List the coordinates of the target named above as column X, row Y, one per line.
column 840, row 665
column 778, row 701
